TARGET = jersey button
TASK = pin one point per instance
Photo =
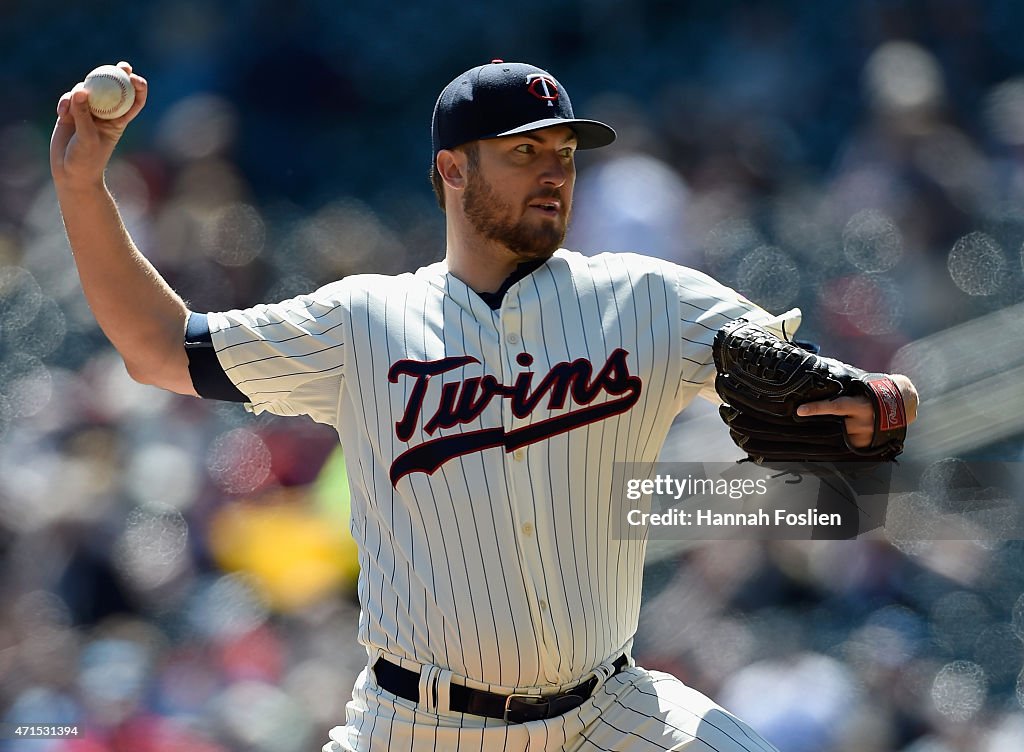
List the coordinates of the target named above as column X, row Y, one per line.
column 543, row 605
column 512, row 338
column 527, row 529
column 519, row 455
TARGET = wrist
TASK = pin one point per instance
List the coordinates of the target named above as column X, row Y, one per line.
column 79, row 185
column 909, row 393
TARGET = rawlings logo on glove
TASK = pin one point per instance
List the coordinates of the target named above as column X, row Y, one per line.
column 763, row 379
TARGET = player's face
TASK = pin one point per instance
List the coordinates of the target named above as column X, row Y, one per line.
column 519, row 190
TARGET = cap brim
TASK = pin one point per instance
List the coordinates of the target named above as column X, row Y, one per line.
column 590, row 134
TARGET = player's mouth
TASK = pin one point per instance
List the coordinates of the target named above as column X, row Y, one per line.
column 549, row 207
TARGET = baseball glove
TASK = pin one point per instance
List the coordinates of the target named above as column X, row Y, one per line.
column 763, row 379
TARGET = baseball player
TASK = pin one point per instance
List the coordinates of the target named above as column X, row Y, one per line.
column 481, row 402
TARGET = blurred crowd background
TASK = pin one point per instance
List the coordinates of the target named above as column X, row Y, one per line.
column 176, row 574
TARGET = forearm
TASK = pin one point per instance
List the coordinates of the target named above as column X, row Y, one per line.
column 137, row 310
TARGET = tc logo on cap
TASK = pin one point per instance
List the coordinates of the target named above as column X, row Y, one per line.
column 543, row 87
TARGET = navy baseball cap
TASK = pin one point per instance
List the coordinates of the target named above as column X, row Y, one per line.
column 500, row 99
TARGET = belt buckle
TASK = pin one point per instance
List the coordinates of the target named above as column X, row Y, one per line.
column 530, row 701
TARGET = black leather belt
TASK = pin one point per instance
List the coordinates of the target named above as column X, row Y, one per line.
column 514, row 708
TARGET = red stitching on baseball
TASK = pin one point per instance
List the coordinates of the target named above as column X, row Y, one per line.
column 120, row 85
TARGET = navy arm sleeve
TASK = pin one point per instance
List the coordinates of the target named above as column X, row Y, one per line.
column 208, row 377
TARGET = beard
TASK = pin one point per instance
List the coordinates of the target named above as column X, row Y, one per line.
column 493, row 219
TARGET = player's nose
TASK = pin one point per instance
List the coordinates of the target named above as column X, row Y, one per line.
column 554, row 170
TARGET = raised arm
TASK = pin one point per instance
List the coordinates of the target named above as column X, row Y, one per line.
column 136, row 308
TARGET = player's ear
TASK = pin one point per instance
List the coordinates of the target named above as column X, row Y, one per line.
column 452, row 167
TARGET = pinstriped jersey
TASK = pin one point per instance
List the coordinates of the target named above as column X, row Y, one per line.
column 480, row 445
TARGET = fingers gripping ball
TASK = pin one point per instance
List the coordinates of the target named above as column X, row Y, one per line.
column 111, row 93
column 763, row 379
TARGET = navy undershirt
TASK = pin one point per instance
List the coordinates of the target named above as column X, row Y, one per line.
column 209, row 379
column 493, row 299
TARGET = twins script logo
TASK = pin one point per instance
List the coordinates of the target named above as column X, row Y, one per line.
column 462, row 402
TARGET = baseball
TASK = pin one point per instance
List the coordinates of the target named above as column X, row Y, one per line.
column 111, row 93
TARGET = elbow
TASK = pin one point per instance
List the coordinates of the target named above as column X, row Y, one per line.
column 141, row 372
column 171, row 374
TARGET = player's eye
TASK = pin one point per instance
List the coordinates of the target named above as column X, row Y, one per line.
column 567, row 152
column 525, row 148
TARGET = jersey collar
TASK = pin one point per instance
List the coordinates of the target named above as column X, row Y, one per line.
column 493, row 299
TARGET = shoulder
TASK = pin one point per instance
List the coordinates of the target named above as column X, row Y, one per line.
column 363, row 286
column 628, row 267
